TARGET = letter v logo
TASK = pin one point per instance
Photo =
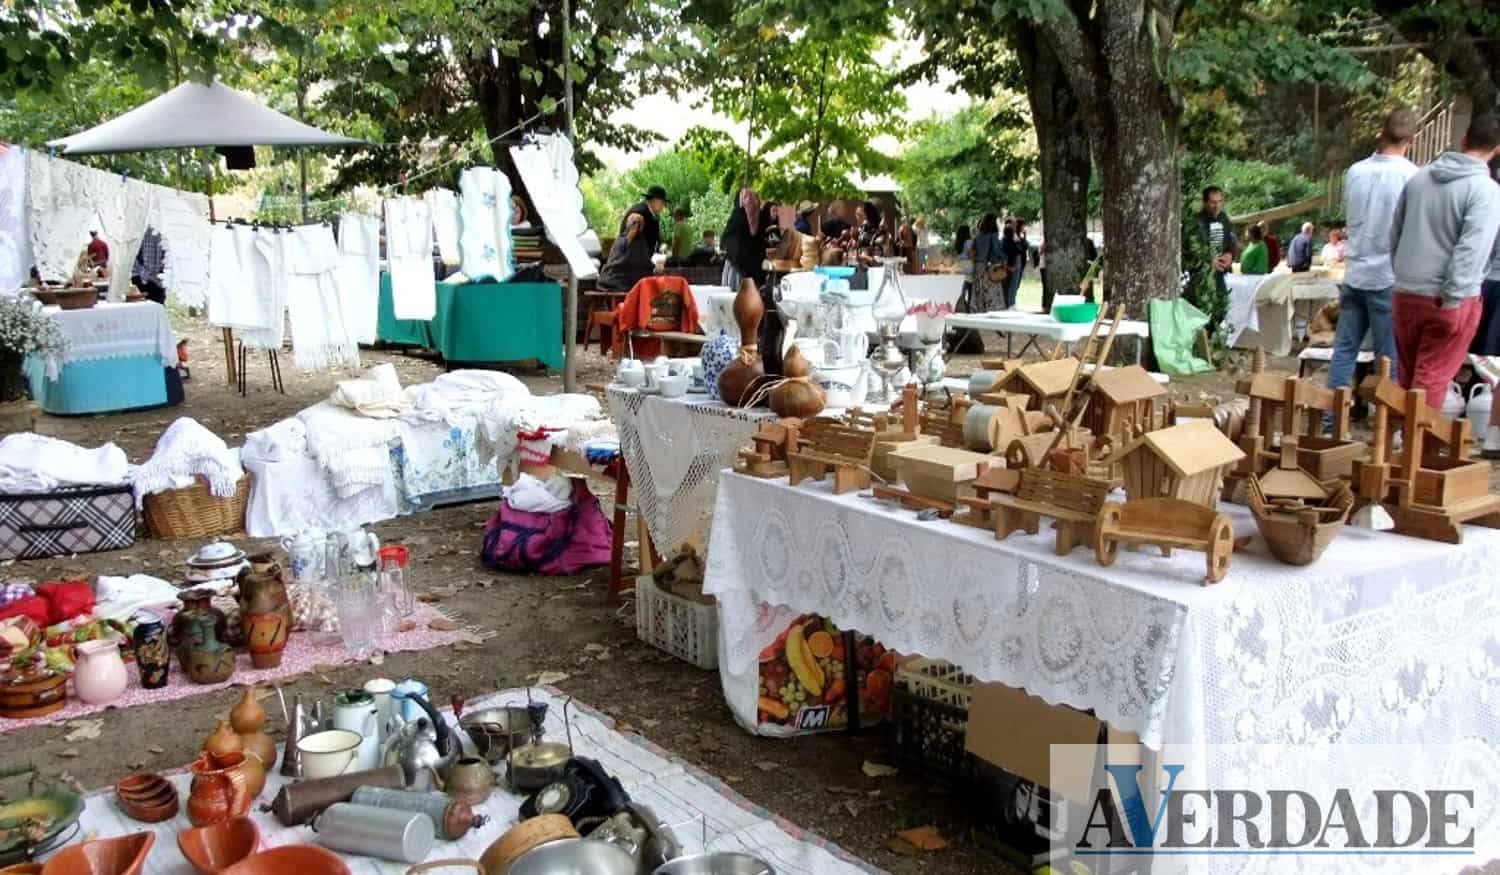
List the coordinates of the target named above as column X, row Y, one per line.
column 1127, row 785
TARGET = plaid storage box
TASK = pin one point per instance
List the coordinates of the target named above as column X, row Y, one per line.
column 76, row 519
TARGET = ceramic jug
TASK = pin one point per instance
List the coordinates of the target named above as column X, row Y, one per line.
column 304, row 555
column 204, row 658
column 356, row 711
column 844, row 384
column 220, row 789
column 196, row 602
column 99, row 677
column 718, row 352
column 1481, row 400
column 265, row 616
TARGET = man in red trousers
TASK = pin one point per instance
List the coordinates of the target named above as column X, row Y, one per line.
column 1444, row 230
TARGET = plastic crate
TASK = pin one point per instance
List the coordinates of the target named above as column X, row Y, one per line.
column 929, row 719
column 682, row 627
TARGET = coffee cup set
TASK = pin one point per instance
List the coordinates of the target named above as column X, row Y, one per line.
column 841, row 365
column 661, row 376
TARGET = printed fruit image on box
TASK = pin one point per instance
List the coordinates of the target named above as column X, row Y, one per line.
column 803, row 683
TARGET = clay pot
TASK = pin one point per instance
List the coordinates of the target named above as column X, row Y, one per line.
column 124, row 855
column 223, row 740
column 219, row 790
column 212, row 849
column 739, row 380
column 100, row 677
column 196, row 602
column 255, row 774
column 301, row 859
column 203, row 655
column 265, row 615
column 797, row 395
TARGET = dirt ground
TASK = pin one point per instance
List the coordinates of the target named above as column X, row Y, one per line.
column 543, row 624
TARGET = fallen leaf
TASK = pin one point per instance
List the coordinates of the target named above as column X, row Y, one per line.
column 767, row 765
column 84, row 730
column 551, row 678
column 879, row 770
column 443, row 624
column 901, row 846
column 135, row 767
column 68, row 753
column 852, row 807
column 843, row 791
column 924, row 838
column 649, row 723
column 156, row 749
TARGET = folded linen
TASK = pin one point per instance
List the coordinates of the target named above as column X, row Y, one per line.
column 35, row 463
column 285, row 440
column 376, row 394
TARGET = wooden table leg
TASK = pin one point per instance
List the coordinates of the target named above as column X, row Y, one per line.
column 229, row 363
column 617, row 537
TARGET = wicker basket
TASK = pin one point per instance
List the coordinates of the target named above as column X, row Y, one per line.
column 195, row 512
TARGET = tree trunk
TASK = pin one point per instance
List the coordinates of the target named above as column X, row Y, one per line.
column 1063, row 148
column 1114, row 54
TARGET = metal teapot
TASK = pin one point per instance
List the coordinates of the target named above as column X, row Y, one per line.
column 424, row 748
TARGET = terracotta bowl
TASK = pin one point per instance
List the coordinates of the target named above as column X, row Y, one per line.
column 212, row 849
column 301, row 859
column 146, row 797
column 22, row 869
column 124, row 855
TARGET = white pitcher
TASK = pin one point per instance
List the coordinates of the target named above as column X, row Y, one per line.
column 844, row 384
column 304, row 555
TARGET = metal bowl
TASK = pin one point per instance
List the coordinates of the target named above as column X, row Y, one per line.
column 495, row 731
column 574, row 857
column 716, row 864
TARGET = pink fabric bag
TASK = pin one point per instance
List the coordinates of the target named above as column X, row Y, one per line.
column 559, row 543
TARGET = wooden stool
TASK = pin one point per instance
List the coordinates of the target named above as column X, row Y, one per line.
column 604, row 320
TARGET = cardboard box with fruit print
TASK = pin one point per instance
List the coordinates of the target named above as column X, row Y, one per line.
column 805, row 682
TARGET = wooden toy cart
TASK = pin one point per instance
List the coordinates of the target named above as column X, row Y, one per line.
column 1166, row 523
column 1072, row 502
column 828, row 445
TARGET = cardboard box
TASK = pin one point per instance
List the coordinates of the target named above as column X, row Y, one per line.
column 1015, row 731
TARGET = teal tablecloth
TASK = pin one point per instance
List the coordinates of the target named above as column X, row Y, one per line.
column 483, row 322
column 100, row 385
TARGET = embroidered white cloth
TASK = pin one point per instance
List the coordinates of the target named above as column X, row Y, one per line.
column 547, row 170
column 1364, row 646
column 186, row 449
column 359, row 274
column 351, row 449
column 182, row 219
column 530, row 495
column 60, row 204
column 443, row 203
column 440, row 459
column 35, row 463
column 408, row 250
column 247, row 283
column 484, row 238
column 462, row 392
column 295, row 493
column 286, row 439
column 703, row 435
column 123, row 205
column 321, row 334
column 15, row 238
column 120, row 597
column 506, row 416
column 113, row 330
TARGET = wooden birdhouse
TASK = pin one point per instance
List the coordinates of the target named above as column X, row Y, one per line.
column 1042, row 382
column 1185, row 461
column 1123, row 402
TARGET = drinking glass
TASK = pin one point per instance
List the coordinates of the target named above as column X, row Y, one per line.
column 356, row 599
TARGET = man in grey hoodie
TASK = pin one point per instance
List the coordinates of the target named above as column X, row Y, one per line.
column 1441, row 239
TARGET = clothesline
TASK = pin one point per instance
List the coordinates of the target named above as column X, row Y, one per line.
column 461, row 156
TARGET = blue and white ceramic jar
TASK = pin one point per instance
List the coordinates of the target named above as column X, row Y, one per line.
column 717, row 354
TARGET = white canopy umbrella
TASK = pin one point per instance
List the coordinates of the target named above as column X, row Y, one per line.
column 193, row 115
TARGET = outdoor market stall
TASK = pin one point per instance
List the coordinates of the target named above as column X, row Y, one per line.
column 483, row 322
column 117, row 358
column 1038, row 326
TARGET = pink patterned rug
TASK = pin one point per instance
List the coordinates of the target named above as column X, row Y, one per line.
column 300, row 657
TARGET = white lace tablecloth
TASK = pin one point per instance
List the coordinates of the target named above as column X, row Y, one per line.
column 114, row 330
column 1386, row 639
column 674, row 449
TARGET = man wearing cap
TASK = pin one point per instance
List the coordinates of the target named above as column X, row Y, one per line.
column 805, row 211
column 640, row 236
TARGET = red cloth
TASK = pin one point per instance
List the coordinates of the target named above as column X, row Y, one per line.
column 1432, row 343
column 34, row 607
column 656, row 303
column 66, row 600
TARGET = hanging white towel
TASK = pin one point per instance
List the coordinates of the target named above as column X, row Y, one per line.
column 408, row 249
column 321, row 336
column 485, row 237
column 15, row 241
column 445, row 223
column 182, row 219
column 359, row 274
column 247, row 284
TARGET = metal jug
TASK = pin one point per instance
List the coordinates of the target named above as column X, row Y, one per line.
column 424, row 748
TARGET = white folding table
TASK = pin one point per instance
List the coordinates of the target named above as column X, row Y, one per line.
column 1041, row 325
